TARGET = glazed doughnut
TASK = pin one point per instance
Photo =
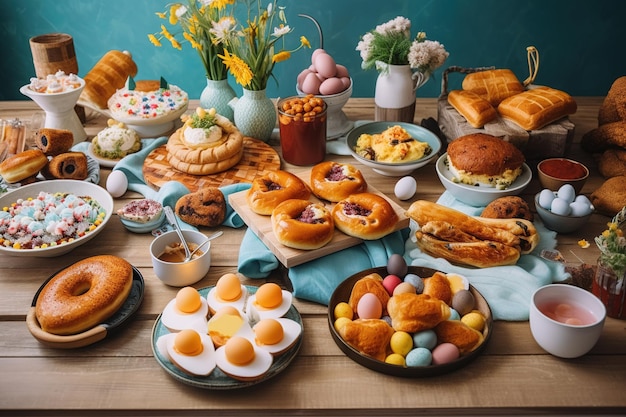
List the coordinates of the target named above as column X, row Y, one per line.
column 273, row 188
column 84, row 294
column 365, row 216
column 23, row 165
column 302, row 224
column 333, row 181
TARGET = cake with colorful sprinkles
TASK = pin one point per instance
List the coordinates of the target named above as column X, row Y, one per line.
column 147, row 99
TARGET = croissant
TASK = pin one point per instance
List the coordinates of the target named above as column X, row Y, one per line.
column 415, row 312
column 369, row 336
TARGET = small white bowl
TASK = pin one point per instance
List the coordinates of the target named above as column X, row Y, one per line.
column 479, row 196
column 179, row 274
column 554, row 335
column 137, row 227
column 337, row 123
column 391, row 169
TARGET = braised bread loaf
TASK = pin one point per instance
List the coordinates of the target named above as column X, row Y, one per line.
column 493, row 85
column 535, row 108
column 475, row 108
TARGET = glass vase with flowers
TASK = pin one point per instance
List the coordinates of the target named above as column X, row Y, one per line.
column 404, row 65
column 609, row 280
column 251, row 51
column 198, row 23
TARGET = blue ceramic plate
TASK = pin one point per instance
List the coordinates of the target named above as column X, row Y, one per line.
column 148, row 227
column 217, row 380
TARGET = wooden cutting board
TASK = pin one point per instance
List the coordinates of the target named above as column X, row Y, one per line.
column 258, row 159
column 262, row 227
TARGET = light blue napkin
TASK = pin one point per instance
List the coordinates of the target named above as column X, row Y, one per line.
column 132, row 166
column 316, row 280
column 507, row 289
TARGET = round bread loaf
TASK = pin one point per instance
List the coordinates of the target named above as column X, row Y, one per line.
column 205, row 207
column 509, row 207
column 333, row 181
column 302, row 224
column 84, row 294
column 483, row 154
column 271, row 189
column 365, row 216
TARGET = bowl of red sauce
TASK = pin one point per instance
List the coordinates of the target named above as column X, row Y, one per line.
column 555, row 172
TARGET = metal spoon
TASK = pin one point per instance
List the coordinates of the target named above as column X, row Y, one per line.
column 211, row 237
column 171, row 218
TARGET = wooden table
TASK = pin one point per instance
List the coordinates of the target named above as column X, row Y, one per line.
column 513, row 375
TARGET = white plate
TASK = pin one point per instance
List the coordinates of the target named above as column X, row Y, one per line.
column 79, row 188
column 478, row 196
column 104, row 162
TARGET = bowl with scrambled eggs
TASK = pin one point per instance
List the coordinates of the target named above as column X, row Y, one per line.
column 393, row 148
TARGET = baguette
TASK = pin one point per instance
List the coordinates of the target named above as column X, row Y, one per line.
column 493, row 85
column 474, row 108
column 536, row 108
column 481, row 254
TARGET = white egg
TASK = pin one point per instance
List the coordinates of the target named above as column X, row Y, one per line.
column 580, row 209
column 560, row 206
column 405, row 188
column 291, row 331
column 545, row 198
column 260, row 364
column 202, row 364
column 117, row 183
column 567, row 193
column 175, row 319
column 255, row 312
column 216, row 303
column 582, row 199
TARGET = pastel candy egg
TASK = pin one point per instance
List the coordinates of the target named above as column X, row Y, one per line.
column 463, row 302
column 419, row 357
column 445, row 353
column 369, row 307
column 415, row 281
column 475, row 320
column 390, row 282
column 396, row 265
column 404, row 288
column 401, row 343
column 425, row 339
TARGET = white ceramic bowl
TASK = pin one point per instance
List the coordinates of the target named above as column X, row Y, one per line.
column 179, row 274
column 337, row 123
column 394, row 169
column 79, row 188
column 478, row 196
column 562, row 339
column 558, row 222
column 137, row 227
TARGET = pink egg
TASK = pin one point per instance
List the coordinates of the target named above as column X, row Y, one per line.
column 316, row 53
column 325, row 65
column 369, row 307
column 342, row 71
column 346, row 82
column 445, row 353
column 301, row 77
column 331, row 86
column 391, row 282
column 311, row 84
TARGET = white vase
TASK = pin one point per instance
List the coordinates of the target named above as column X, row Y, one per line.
column 396, row 87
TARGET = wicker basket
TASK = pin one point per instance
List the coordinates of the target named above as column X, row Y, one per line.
column 53, row 52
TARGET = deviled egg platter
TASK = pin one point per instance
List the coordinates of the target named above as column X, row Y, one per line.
column 237, row 329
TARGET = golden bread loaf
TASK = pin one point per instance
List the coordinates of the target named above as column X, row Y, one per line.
column 473, row 107
column 106, row 77
column 459, row 334
column 538, row 107
column 302, row 224
column 23, row 165
column 509, row 207
column 613, row 107
column 612, row 163
column 610, row 198
column 412, row 313
column 604, row 137
column 369, row 336
column 493, row 85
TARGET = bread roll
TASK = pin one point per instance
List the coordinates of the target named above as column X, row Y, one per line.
column 459, row 334
column 536, row 108
column 416, row 312
column 493, row 85
column 371, row 337
column 106, row 77
column 613, row 107
column 473, row 107
column 23, row 165
column 302, row 224
column 365, row 216
column 68, row 165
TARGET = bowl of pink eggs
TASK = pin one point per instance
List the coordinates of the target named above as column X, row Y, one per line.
column 331, row 81
column 563, row 211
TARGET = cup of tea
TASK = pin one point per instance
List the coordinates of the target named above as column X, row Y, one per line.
column 566, row 320
column 302, row 126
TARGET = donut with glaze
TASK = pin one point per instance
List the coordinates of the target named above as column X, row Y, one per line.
column 302, row 224
column 23, row 165
column 333, row 181
column 271, row 189
column 84, row 294
column 365, row 216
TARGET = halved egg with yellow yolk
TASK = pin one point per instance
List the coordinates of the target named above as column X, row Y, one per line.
column 191, row 352
column 188, row 310
column 276, row 335
column 227, row 292
column 226, row 323
column 269, row 301
column 457, row 282
column 240, row 359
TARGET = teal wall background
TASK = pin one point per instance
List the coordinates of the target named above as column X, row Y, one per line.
column 581, row 42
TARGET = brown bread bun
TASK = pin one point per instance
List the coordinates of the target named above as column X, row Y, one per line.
column 302, row 224
column 365, row 216
column 23, row 165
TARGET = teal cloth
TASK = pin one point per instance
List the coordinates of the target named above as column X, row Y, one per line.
column 317, row 279
column 171, row 191
column 507, row 289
